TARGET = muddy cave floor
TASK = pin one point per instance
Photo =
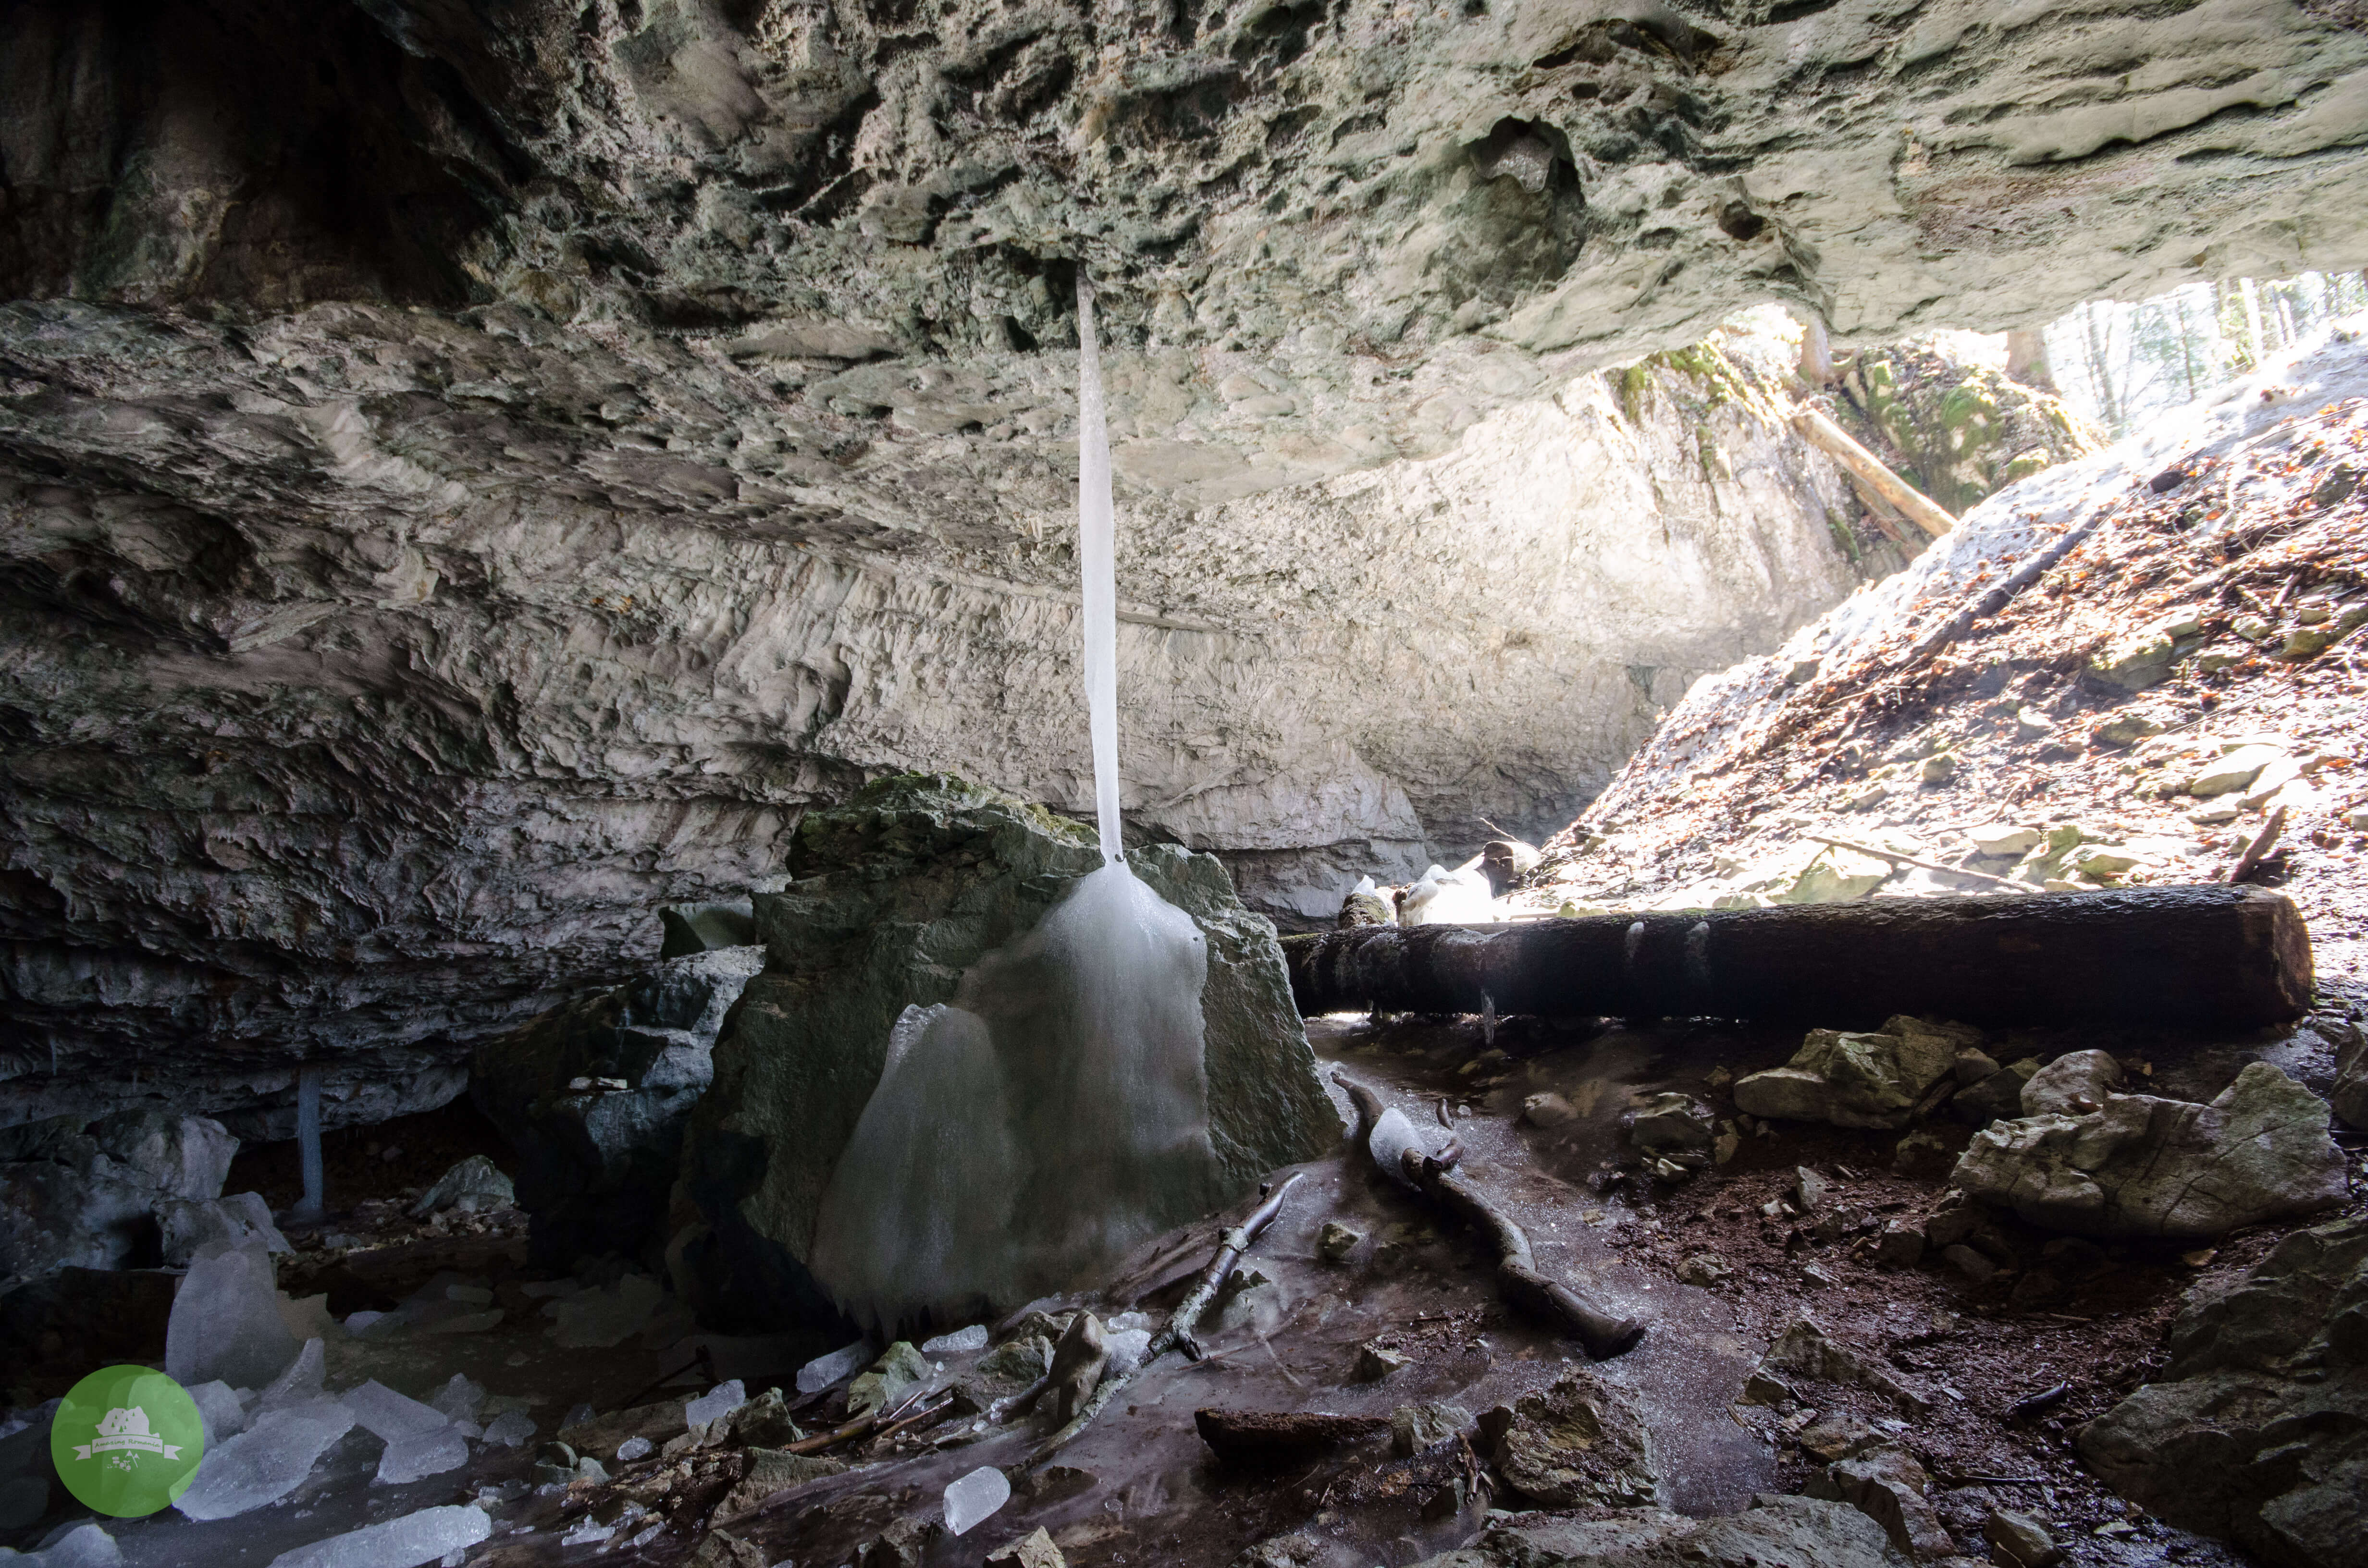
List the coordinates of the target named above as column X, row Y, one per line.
column 1139, row 1486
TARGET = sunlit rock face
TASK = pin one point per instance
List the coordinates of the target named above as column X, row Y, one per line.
column 471, row 474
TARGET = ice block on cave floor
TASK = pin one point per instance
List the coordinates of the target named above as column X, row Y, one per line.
column 1127, row 1348
column 959, row 1343
column 218, row 1408
column 301, row 1383
column 510, row 1429
column 971, row 1500
column 460, row 1398
column 84, row 1546
column 824, row 1370
column 718, row 1402
column 427, row 1535
column 225, row 1321
column 267, row 1461
column 415, row 1454
column 388, row 1415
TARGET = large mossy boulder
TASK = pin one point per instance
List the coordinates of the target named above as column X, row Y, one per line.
column 893, row 897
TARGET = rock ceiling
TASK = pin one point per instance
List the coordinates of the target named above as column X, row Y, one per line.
column 472, row 471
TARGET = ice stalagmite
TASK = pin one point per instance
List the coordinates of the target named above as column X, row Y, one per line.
column 1056, row 1113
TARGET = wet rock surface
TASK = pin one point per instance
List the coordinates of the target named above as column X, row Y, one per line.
column 595, row 1096
column 1777, row 1533
column 115, row 1193
column 2257, row 1428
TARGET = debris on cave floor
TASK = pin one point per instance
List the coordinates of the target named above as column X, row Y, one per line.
column 2179, row 695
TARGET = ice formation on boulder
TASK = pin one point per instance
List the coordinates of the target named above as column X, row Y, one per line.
column 225, row 1321
column 427, row 1535
column 1032, row 1133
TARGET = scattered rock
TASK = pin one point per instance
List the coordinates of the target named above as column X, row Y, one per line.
column 2125, row 729
column 600, row 1436
column 898, row 1370
column 1375, row 1362
column 1774, row 1532
column 1919, row 1153
column 1855, row 1079
column 1810, row 1189
column 2233, row 771
column 1414, row 1428
column 1900, row 1245
column 2031, row 724
column 473, row 1187
column 1705, row 1269
column 2024, row 1541
column 2003, row 841
column 2061, row 1088
column 1938, row 768
column 1969, row 1262
column 1837, row 1435
column 1805, row 1350
column 903, row 1545
column 2258, row 1429
column 1035, row 1551
column 1338, row 1241
column 88, row 1196
column 1580, row 1443
column 184, row 1225
column 1017, row 1361
column 1547, row 1110
column 2146, row 1166
column 2133, row 662
column 1669, row 1122
column 720, row 1550
column 771, row 1471
column 1364, row 908
column 1265, row 1436
column 1293, row 1550
column 1888, row 1486
column 2350, row 1097
column 2000, row 1094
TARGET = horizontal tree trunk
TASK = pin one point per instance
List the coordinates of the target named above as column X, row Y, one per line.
column 2207, row 955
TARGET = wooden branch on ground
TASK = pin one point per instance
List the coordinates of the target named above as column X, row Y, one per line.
column 2202, row 956
column 1835, row 442
column 1178, row 1336
column 1899, row 860
column 2259, row 849
column 1603, row 1334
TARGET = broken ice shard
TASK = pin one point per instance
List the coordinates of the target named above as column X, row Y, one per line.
column 415, row 1454
column 459, row 1399
column 301, row 1383
column 84, row 1546
column 824, row 1370
column 717, row 1402
column 428, row 1536
column 959, row 1342
column 595, row 1320
column 388, row 1415
column 974, row 1497
column 267, row 1461
column 218, row 1408
column 510, row 1429
column 225, row 1321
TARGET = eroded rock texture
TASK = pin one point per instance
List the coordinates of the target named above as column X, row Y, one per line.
column 471, row 474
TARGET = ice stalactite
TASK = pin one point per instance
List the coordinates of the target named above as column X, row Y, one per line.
column 307, row 1137
column 1056, row 1113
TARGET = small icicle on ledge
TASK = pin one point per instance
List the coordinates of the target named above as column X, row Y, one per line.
column 1055, row 1114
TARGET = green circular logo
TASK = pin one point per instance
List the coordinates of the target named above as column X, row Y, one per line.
column 127, row 1441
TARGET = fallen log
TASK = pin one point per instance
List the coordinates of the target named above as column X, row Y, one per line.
column 1279, row 1436
column 1601, row 1333
column 2212, row 955
column 1869, row 470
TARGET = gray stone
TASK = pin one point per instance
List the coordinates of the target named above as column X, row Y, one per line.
column 1998, row 1094
column 1580, row 1443
column 596, row 1166
column 1036, row 1550
column 2258, row 1429
column 1774, row 1532
column 473, row 1186
column 93, row 1198
column 1336, row 1241
column 2146, row 1166
column 2058, row 1088
column 1705, row 1270
column 894, row 896
column 2023, row 1539
column 771, row 1471
column 1547, row 1108
column 1857, row 1079
column 1889, row 1486
column 1900, row 1245
column 2133, row 663
column 2350, row 1099
column 899, row 1369
column 1414, row 1428
column 1292, row 1550
column 1805, row 1351
column 1375, row 1362
column 1664, row 1122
